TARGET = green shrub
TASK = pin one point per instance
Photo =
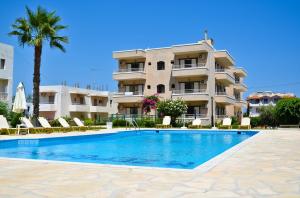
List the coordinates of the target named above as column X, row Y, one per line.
column 119, row 123
column 15, row 118
column 88, row 122
column 267, row 116
column 101, row 121
column 287, row 111
column 255, row 122
column 234, row 120
column 55, row 123
column 3, row 109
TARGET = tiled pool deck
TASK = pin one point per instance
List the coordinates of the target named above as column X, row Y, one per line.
column 266, row 165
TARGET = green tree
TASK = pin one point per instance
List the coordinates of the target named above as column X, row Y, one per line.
column 173, row 108
column 287, row 111
column 267, row 116
column 34, row 30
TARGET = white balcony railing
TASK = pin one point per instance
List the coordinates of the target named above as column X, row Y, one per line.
column 189, row 91
column 140, row 69
column 186, row 66
column 135, row 93
column 221, row 93
column 3, row 95
column 220, row 70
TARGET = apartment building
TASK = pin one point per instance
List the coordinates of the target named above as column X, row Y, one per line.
column 60, row 100
column 6, row 72
column 264, row 98
column 199, row 74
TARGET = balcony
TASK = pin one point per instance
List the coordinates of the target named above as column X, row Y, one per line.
column 240, row 72
column 129, row 54
column 128, row 97
column 191, row 94
column 240, row 103
column 225, row 77
column 130, row 74
column 224, row 98
column 98, row 109
column 240, row 86
column 189, row 70
column 78, row 107
column 48, row 106
column 224, row 57
column 3, row 96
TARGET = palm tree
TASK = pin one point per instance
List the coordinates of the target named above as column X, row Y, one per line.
column 35, row 30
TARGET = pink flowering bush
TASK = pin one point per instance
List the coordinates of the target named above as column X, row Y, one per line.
column 149, row 102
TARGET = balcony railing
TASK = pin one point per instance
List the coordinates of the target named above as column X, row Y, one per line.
column 46, row 102
column 197, row 115
column 140, row 69
column 189, row 91
column 221, row 93
column 186, row 66
column 78, row 103
column 134, row 93
column 3, row 96
column 220, row 70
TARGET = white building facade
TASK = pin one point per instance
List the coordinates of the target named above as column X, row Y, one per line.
column 264, row 98
column 57, row 101
column 6, row 73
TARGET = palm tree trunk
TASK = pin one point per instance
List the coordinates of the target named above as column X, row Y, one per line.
column 36, row 83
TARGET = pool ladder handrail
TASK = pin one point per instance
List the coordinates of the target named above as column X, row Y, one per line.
column 132, row 122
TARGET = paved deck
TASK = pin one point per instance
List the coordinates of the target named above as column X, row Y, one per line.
column 267, row 166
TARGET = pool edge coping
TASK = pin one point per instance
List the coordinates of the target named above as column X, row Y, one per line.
column 202, row 168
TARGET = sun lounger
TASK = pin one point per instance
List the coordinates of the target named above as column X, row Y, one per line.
column 45, row 124
column 226, row 123
column 245, row 123
column 5, row 126
column 166, row 123
column 196, row 123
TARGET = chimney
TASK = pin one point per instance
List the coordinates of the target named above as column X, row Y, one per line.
column 210, row 41
column 205, row 35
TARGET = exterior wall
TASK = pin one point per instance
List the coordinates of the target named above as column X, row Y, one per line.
column 6, row 73
column 201, row 72
column 67, row 102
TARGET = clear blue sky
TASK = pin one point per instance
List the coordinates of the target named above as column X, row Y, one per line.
column 263, row 37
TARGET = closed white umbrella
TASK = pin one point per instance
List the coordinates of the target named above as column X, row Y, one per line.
column 20, row 100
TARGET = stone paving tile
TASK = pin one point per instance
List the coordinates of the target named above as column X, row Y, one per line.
column 267, row 166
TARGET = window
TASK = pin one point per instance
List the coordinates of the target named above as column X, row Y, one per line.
column 133, row 110
column 2, row 63
column 95, row 102
column 161, row 65
column 160, row 88
column 173, row 86
column 81, row 100
column 51, row 99
column 148, row 87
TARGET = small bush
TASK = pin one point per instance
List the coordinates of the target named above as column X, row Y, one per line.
column 267, row 116
column 55, row 123
column 4, row 109
column 234, row 120
column 15, row 119
column 88, row 122
column 119, row 123
column 255, row 122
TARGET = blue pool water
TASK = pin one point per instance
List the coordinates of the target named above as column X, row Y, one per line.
column 170, row 149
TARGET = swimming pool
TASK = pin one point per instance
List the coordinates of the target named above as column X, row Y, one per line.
column 167, row 149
